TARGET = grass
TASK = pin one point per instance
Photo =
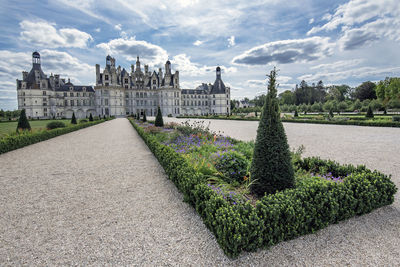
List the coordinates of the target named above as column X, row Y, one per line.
column 10, row 127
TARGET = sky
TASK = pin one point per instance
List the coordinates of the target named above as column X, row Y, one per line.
column 338, row 42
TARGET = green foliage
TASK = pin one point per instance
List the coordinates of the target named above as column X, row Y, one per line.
column 55, row 124
column 369, row 114
column 312, row 205
column 365, row 91
column 233, row 165
column 396, row 118
column 83, row 121
column 144, row 116
column 23, row 123
column 12, row 142
column 90, row 117
column 159, row 119
column 271, row 167
column 331, row 115
column 73, row 119
column 296, row 114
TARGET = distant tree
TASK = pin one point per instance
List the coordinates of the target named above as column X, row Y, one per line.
column 90, row 117
column 331, row 114
column 287, row 97
column 369, row 114
column 159, row 119
column 23, row 123
column 73, row 119
column 296, row 114
column 357, row 105
column 342, row 106
column 144, row 116
column 271, row 168
column 365, row 91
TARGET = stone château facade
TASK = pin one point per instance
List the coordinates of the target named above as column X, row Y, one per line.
column 118, row 93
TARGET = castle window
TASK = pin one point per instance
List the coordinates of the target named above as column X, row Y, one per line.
column 126, row 86
column 71, row 94
column 213, row 96
column 213, row 102
column 154, row 81
column 84, row 94
column 106, row 77
column 66, row 102
column 106, row 84
column 145, row 94
column 106, row 102
column 71, row 88
column 65, row 93
column 72, row 102
column 77, row 94
column 227, row 102
column 126, row 80
column 44, row 99
column 137, row 94
column 44, row 92
column 23, row 93
column 84, row 89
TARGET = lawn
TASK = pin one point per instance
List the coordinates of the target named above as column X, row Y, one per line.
column 10, row 127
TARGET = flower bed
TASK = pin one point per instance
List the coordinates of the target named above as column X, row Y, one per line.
column 325, row 191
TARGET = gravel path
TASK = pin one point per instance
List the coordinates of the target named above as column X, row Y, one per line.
column 98, row 196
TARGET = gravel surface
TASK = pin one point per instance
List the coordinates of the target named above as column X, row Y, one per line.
column 98, row 196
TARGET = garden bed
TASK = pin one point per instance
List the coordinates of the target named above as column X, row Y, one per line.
column 212, row 173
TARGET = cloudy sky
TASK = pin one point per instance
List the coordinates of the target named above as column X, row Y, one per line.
column 343, row 41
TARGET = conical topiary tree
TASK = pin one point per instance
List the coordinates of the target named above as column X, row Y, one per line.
column 90, row 117
column 296, row 114
column 144, row 116
column 73, row 120
column 23, row 123
column 138, row 116
column 331, row 113
column 159, row 120
column 369, row 114
column 271, row 168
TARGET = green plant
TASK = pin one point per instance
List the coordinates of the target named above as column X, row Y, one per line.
column 232, row 165
column 159, row 120
column 369, row 114
column 90, row 117
column 331, row 115
column 83, row 121
column 73, row 119
column 144, row 116
column 296, row 114
column 55, row 124
column 23, row 123
column 271, row 166
column 396, row 118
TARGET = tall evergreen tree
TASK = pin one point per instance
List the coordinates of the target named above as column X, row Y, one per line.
column 271, row 168
column 73, row 120
column 369, row 114
column 144, row 116
column 159, row 120
column 23, row 123
column 90, row 117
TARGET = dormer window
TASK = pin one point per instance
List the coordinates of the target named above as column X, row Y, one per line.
column 106, row 77
column 84, row 89
column 71, row 88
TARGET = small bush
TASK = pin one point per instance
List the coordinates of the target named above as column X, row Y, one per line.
column 169, row 115
column 396, row 118
column 55, row 124
column 90, row 117
column 83, row 121
column 233, row 165
column 23, row 123
column 369, row 114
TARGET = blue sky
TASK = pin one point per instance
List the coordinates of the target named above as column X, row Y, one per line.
column 345, row 41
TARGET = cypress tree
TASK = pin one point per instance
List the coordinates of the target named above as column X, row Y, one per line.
column 159, row 120
column 138, row 116
column 144, row 116
column 331, row 113
column 271, row 168
column 90, row 117
column 296, row 114
column 23, row 122
column 256, row 114
column 369, row 114
column 384, row 111
column 73, row 120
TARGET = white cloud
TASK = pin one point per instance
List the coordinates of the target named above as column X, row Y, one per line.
column 311, row 21
column 338, row 65
column 97, row 30
column 88, row 7
column 183, row 63
column 130, row 48
column 231, row 41
column 118, row 27
column 286, row 51
column 43, row 33
column 198, row 43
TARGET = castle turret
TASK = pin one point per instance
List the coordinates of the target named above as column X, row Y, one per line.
column 97, row 74
column 137, row 64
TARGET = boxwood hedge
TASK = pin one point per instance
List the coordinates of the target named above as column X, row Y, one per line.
column 12, row 142
column 312, row 205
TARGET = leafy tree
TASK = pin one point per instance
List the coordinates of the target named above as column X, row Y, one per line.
column 23, row 123
column 357, row 105
column 159, row 120
column 365, row 91
column 287, row 97
column 331, row 114
column 144, row 116
column 342, row 106
column 73, row 120
column 369, row 114
column 271, row 167
column 90, row 117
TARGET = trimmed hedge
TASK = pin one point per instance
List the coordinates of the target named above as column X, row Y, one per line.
column 338, row 122
column 12, row 142
column 312, row 205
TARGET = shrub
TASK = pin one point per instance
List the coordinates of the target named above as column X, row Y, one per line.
column 73, row 119
column 331, row 115
column 55, row 124
column 23, row 122
column 83, row 121
column 159, row 120
column 90, row 117
column 369, row 114
column 396, row 118
column 232, row 165
column 296, row 114
column 271, row 169
column 169, row 116
column 144, row 116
